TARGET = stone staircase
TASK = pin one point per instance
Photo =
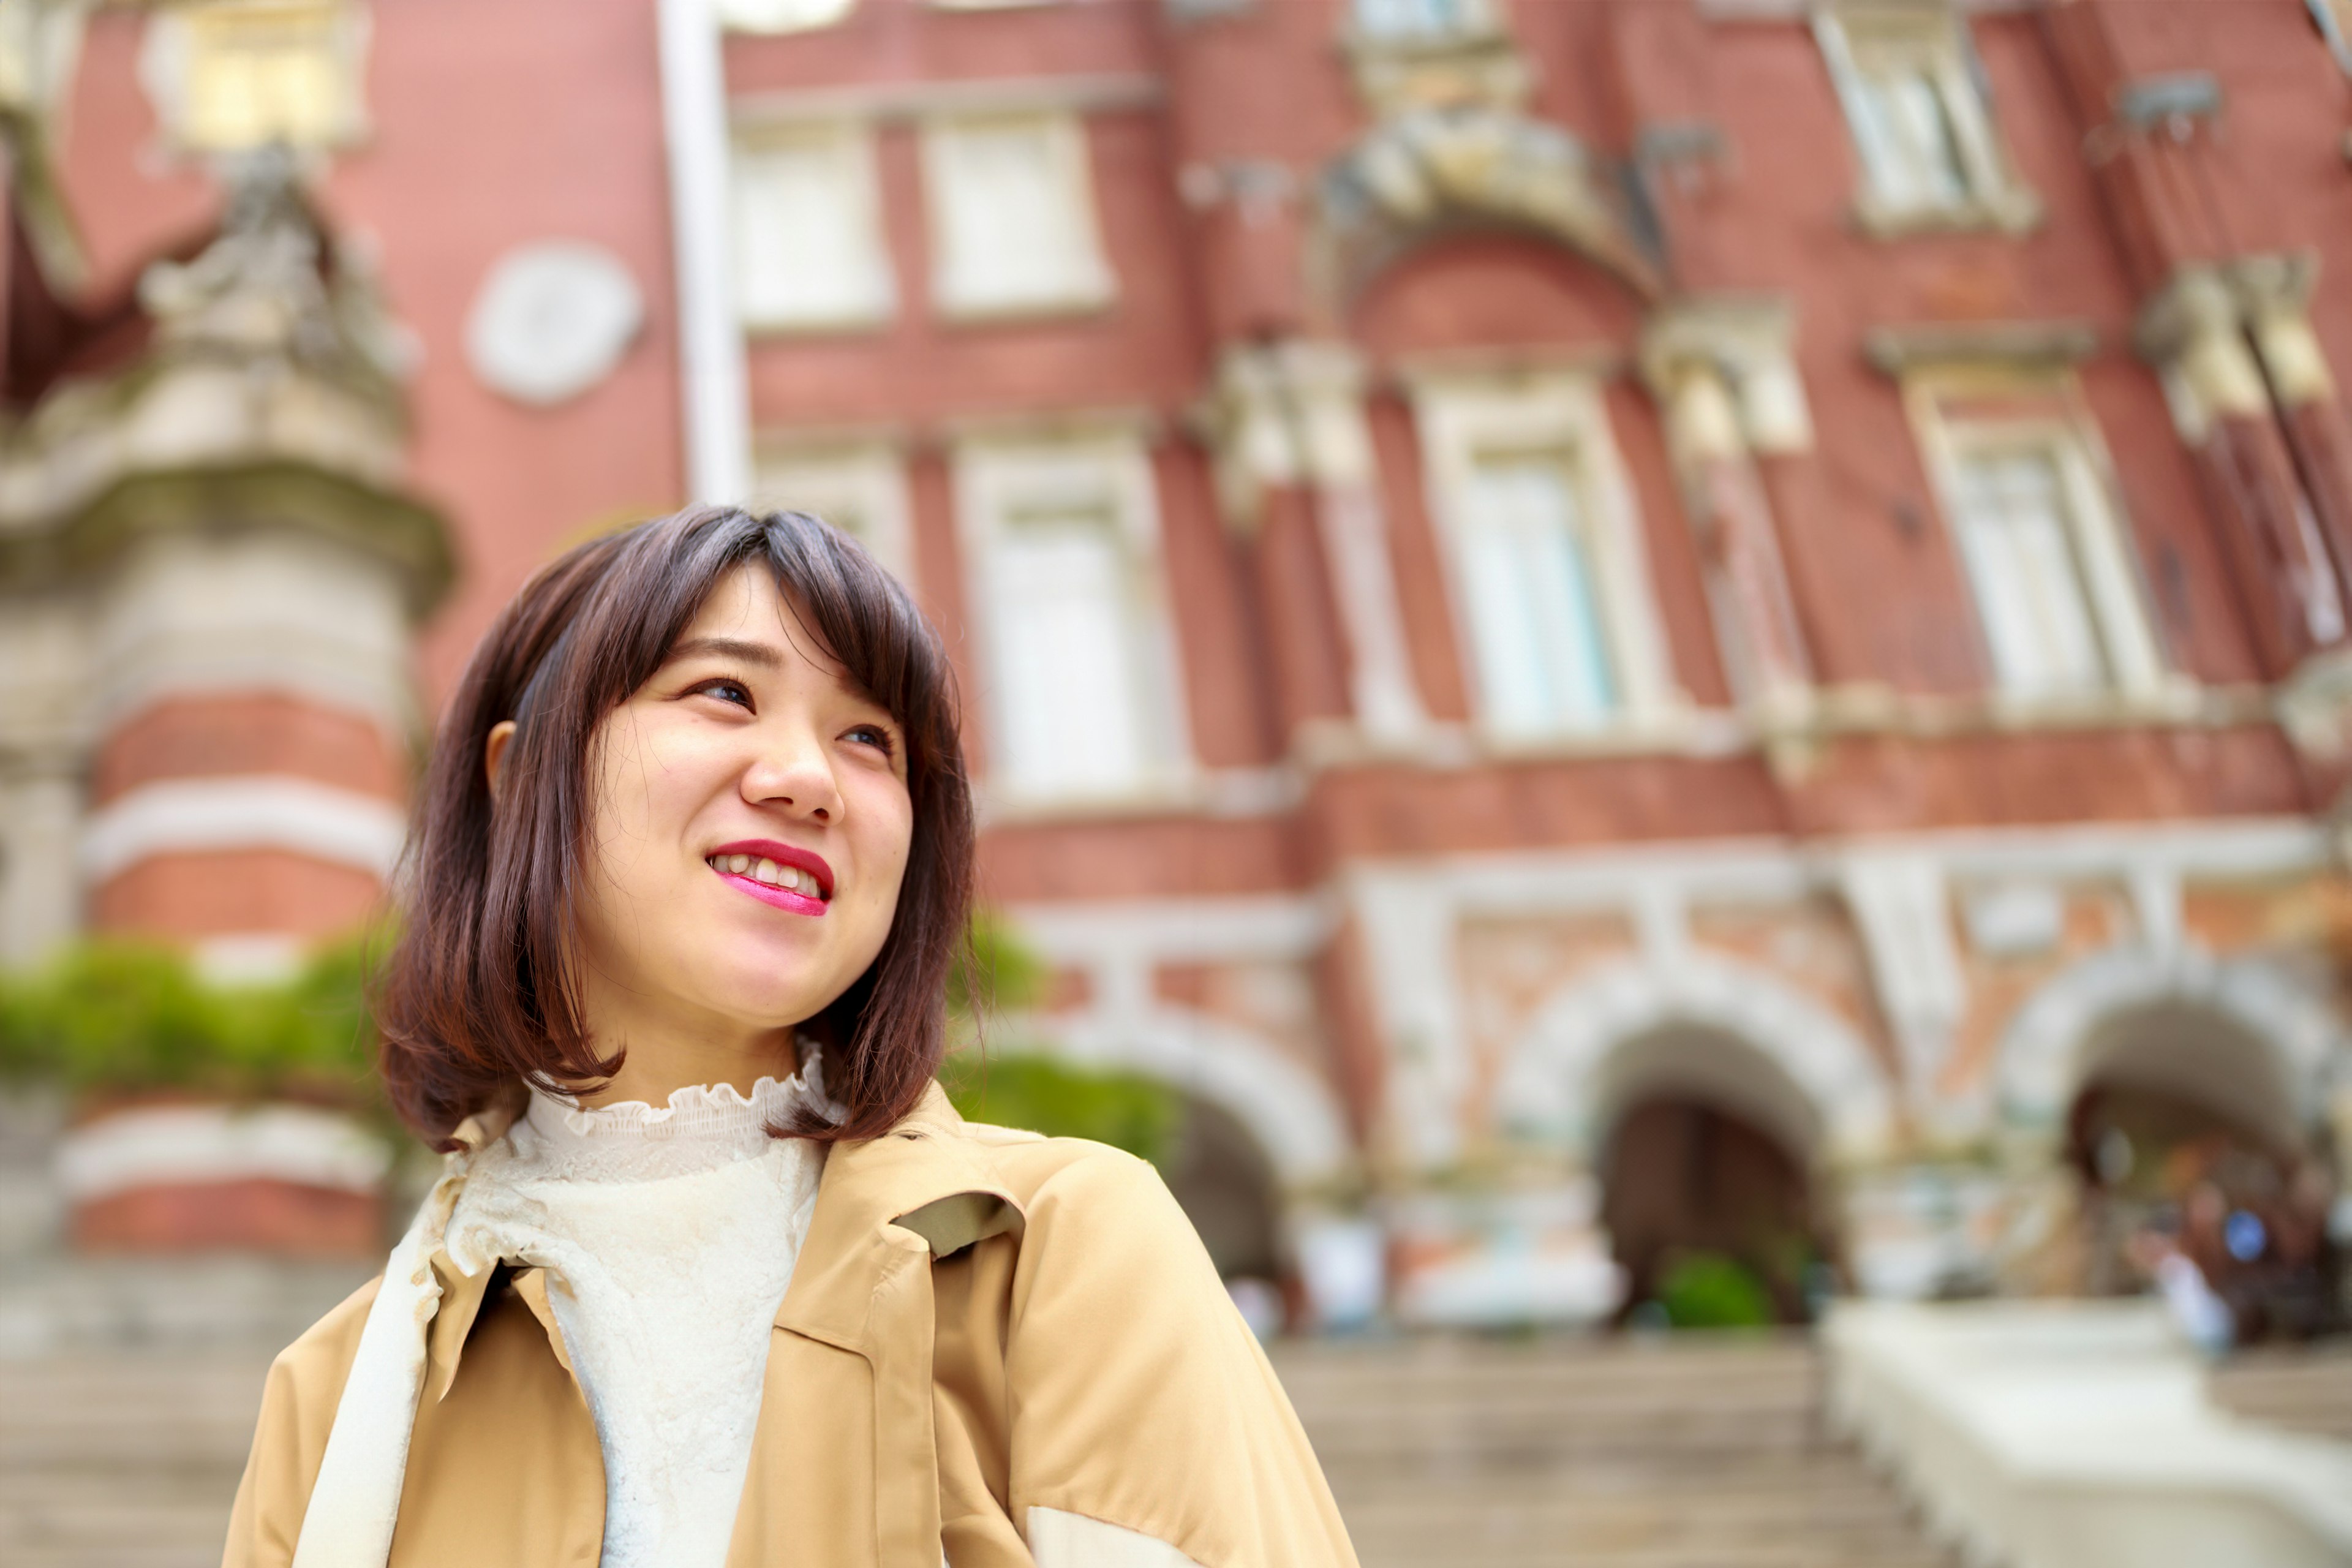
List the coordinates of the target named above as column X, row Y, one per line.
column 1599, row 1454
column 2303, row 1388
column 124, row 1460
column 1687, row 1453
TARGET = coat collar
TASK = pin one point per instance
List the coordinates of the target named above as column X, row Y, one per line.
column 920, row 1187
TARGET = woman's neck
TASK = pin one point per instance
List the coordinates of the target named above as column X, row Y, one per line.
column 663, row 1052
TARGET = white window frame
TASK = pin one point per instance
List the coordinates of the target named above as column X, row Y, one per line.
column 853, row 142
column 867, row 479
column 168, row 54
column 1991, row 194
column 994, row 476
column 1090, row 285
column 2111, row 585
column 1459, row 418
column 1411, row 22
column 772, row 17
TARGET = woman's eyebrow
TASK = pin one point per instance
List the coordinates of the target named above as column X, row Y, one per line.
column 765, row 654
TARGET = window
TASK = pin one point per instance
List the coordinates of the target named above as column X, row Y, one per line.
column 860, row 489
column 1013, row 215
column 2040, row 542
column 808, row 250
column 1527, row 564
column 2010, row 511
column 1405, row 21
column 238, row 74
column 1908, row 78
column 1080, row 671
column 1543, row 555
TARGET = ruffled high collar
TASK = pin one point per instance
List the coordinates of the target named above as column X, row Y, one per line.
column 701, row 1127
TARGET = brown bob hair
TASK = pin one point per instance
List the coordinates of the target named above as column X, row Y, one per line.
column 474, row 998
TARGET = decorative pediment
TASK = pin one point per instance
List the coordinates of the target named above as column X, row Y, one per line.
column 272, row 285
column 1433, row 173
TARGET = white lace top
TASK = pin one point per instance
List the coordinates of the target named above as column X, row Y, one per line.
column 669, row 1236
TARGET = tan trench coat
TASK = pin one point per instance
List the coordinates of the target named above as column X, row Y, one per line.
column 981, row 1323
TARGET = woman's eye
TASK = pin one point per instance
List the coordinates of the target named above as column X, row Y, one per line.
column 871, row 735
column 724, row 689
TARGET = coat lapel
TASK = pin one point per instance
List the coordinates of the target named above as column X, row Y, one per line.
column 862, row 1288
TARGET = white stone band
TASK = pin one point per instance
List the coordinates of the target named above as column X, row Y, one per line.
column 176, row 1145
column 247, row 812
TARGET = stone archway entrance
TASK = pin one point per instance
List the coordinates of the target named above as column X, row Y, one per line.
column 1707, row 1179
column 2184, row 1135
column 1225, row 1185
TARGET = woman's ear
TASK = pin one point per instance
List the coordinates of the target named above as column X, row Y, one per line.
column 494, row 751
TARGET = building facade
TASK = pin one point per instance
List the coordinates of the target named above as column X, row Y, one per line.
column 1604, row 628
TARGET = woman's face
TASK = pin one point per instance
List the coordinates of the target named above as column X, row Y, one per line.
column 750, row 827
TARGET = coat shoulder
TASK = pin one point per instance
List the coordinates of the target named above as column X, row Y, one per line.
column 316, row 1362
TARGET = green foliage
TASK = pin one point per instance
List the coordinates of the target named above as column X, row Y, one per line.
column 1708, row 1290
column 1124, row 1109
column 114, row 1018
column 1020, row 1088
column 999, row 973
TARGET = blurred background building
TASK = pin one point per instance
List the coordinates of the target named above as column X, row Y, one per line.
column 1665, row 656
column 1610, row 632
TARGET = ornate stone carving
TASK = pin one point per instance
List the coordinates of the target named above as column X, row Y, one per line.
column 1430, row 172
column 271, row 285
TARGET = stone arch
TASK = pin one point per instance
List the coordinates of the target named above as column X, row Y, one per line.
column 1291, row 1113
column 1811, row 1075
column 1443, row 171
column 2077, row 1024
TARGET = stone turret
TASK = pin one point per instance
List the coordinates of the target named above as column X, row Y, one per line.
column 209, row 574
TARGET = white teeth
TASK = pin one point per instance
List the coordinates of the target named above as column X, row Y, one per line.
column 774, row 874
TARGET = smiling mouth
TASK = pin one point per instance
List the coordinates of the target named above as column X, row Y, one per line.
column 766, row 876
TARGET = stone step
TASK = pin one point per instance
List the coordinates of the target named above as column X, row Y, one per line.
column 2301, row 1388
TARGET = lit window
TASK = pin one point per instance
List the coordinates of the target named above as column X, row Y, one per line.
column 809, row 249
column 1921, row 127
column 1527, row 564
column 1422, row 19
column 239, row 74
column 1013, row 211
column 860, row 489
column 1079, row 671
column 2039, row 539
column 1544, row 553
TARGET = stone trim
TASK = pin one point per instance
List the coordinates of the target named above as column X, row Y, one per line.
column 252, row 812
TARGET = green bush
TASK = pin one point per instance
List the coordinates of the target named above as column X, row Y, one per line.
column 1036, row 1093
column 999, row 974
column 110, row 1016
column 1020, row 1087
column 1708, row 1290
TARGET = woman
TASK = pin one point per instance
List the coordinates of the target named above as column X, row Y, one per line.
column 715, row 1274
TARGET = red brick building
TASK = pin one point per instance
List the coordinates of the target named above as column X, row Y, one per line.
column 1580, row 617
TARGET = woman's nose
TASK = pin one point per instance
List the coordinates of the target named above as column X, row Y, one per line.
column 790, row 769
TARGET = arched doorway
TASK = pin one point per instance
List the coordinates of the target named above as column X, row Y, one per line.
column 1708, row 1183
column 2184, row 1138
column 1225, row 1186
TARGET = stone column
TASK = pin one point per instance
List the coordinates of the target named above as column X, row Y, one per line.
column 255, row 571
column 1723, row 374
column 2274, row 297
column 1295, row 455
column 2194, row 333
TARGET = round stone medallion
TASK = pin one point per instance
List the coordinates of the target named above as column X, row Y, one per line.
column 552, row 320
